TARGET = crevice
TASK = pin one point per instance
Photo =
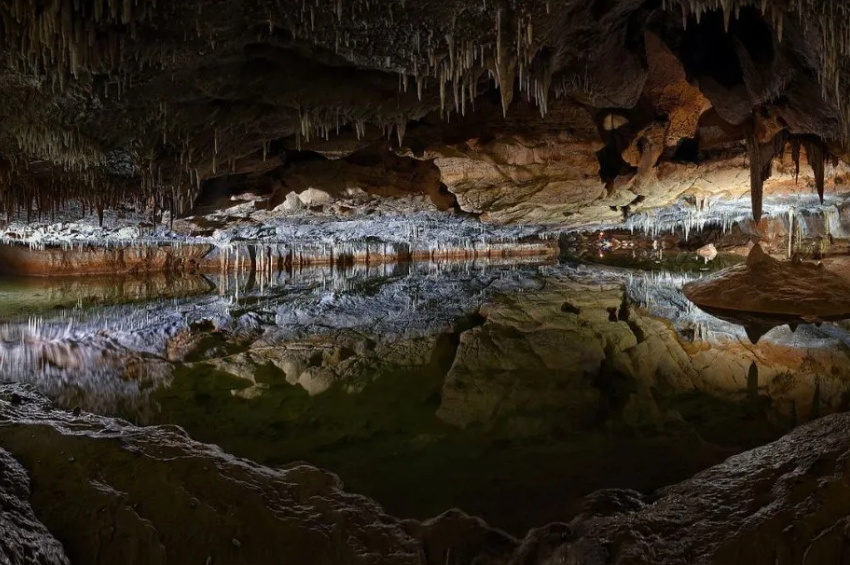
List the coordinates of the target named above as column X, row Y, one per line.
column 612, row 165
column 569, row 308
column 640, row 335
column 687, row 151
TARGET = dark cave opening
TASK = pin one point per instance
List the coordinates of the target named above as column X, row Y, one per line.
column 687, row 151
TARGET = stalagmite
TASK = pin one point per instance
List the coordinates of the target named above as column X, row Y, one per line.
column 795, row 157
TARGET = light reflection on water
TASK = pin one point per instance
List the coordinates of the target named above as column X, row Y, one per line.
column 393, row 337
column 102, row 342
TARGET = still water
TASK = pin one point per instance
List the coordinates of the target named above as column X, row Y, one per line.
column 508, row 390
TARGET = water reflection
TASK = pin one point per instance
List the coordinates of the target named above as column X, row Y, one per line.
column 466, row 379
column 758, row 325
column 34, row 296
column 105, row 344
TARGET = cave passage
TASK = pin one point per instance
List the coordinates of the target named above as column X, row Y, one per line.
column 358, row 282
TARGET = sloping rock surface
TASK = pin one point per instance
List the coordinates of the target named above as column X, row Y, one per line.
column 113, row 493
column 767, row 286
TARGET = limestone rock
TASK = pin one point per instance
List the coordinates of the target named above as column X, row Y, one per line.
column 292, row 203
column 315, row 197
column 734, row 513
column 764, row 285
column 168, row 493
column 23, row 539
column 179, row 501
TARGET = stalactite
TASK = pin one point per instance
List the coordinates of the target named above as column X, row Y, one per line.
column 761, row 166
column 816, row 155
column 400, row 127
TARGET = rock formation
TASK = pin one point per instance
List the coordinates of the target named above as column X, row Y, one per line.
column 259, row 141
column 763, row 285
column 23, row 539
column 152, row 495
column 554, row 373
column 573, row 104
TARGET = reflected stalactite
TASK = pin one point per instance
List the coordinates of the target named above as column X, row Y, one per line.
column 753, row 381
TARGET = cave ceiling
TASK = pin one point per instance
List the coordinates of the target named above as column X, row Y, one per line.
column 111, row 101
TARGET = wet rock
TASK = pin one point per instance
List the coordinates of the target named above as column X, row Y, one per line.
column 741, row 511
column 707, row 252
column 148, row 483
column 92, row 260
column 764, row 285
column 23, row 539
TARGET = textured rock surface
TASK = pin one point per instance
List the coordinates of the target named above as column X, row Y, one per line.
column 784, row 503
column 116, row 493
column 23, row 539
column 763, row 285
column 20, row 260
column 151, row 495
column 144, row 104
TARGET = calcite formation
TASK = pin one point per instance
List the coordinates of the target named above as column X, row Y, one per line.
column 763, row 285
column 109, row 103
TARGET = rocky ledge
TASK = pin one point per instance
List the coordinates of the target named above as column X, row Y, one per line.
column 112, row 492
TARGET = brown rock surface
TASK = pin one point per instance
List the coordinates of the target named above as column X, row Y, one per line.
column 144, row 104
column 784, row 503
column 763, row 285
column 380, row 173
column 115, row 492
column 20, row 260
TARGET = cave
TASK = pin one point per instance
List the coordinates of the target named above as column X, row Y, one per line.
column 367, row 282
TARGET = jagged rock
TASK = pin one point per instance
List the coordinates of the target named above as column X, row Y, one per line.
column 125, row 106
column 315, row 197
column 152, row 495
column 23, row 539
column 784, row 503
column 292, row 202
column 180, row 501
